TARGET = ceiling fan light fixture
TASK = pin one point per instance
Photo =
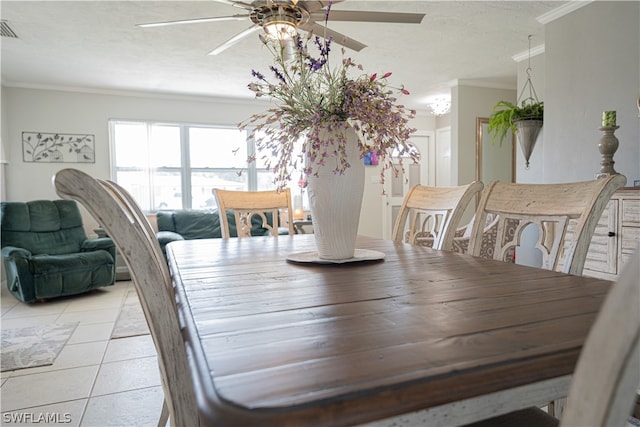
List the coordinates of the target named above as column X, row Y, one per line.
column 279, row 20
column 280, row 30
column 440, row 106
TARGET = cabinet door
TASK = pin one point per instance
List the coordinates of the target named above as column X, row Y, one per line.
column 603, row 249
column 630, row 228
column 630, row 241
column 631, row 212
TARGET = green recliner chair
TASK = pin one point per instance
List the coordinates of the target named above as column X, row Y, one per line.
column 46, row 251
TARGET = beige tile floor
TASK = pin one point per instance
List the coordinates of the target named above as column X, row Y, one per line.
column 95, row 380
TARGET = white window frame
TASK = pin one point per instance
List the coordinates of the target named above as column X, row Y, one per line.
column 251, row 170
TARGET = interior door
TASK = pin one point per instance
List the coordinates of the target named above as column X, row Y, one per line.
column 493, row 161
column 397, row 187
column 443, row 157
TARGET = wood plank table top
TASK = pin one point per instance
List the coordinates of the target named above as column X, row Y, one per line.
column 280, row 343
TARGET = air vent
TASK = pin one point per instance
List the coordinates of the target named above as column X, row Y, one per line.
column 6, row 30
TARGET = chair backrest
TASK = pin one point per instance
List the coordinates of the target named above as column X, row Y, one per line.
column 489, row 233
column 433, row 213
column 565, row 215
column 134, row 237
column 249, row 204
column 52, row 227
column 607, row 376
column 127, row 202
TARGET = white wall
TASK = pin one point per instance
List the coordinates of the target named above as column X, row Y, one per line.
column 592, row 65
column 470, row 103
column 3, row 139
column 373, row 204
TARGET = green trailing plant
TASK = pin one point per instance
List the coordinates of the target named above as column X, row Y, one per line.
column 505, row 115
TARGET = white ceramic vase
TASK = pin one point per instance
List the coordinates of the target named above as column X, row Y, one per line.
column 335, row 202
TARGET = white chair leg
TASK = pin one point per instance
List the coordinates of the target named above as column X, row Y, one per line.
column 164, row 415
column 556, row 408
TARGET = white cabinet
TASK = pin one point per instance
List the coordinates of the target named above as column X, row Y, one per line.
column 615, row 236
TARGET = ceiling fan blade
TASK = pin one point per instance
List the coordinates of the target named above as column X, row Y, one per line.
column 364, row 16
column 195, row 21
column 337, row 37
column 239, row 4
column 235, row 39
column 316, row 5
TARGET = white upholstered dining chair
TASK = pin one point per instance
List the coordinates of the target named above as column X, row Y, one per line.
column 607, row 375
column 433, row 214
column 564, row 214
column 247, row 205
column 124, row 222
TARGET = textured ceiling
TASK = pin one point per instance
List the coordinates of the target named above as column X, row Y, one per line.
column 96, row 45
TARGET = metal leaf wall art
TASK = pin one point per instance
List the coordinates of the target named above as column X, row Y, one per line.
column 41, row 147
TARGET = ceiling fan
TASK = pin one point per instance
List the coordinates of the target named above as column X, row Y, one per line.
column 281, row 18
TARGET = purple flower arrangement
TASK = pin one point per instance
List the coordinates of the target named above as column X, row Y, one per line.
column 314, row 102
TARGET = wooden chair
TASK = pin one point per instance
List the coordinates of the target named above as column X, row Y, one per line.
column 607, row 375
column 489, row 234
column 248, row 205
column 433, row 214
column 134, row 237
column 127, row 202
column 565, row 214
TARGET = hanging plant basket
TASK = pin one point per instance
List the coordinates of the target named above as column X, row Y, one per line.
column 506, row 114
column 524, row 118
column 527, row 131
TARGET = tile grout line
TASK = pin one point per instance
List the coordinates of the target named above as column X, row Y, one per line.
column 95, row 379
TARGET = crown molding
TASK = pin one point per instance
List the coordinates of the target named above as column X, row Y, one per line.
column 136, row 94
column 561, row 11
column 481, row 83
column 524, row 55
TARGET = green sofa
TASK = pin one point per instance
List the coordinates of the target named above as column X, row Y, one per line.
column 196, row 224
column 47, row 254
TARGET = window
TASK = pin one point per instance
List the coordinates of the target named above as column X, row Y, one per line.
column 176, row 166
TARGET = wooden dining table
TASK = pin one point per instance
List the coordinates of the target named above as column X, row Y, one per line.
column 427, row 335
